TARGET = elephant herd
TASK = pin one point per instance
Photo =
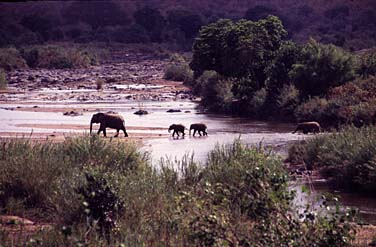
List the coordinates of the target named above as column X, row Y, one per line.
column 115, row 121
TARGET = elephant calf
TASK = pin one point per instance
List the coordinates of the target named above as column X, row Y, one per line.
column 199, row 127
column 107, row 120
column 176, row 128
column 307, row 127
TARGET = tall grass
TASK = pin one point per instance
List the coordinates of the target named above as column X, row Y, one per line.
column 347, row 156
column 98, row 192
column 3, row 80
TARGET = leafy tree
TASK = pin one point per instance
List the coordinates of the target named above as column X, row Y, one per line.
column 278, row 71
column 320, row 68
column 208, row 46
column 152, row 20
column 240, row 49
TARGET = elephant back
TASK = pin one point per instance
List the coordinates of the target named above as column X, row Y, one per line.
column 114, row 120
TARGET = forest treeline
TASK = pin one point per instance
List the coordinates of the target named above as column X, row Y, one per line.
column 349, row 24
column 251, row 68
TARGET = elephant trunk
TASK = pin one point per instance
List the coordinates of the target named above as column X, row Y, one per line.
column 91, row 126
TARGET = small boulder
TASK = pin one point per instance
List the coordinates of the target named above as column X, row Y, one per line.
column 72, row 113
column 141, row 112
column 173, row 110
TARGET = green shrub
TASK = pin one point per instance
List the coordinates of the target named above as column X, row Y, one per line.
column 10, row 59
column 216, row 92
column 99, row 193
column 367, row 64
column 347, row 157
column 288, row 99
column 322, row 67
column 178, row 72
column 99, row 83
column 352, row 103
column 3, row 80
column 258, row 101
column 57, row 57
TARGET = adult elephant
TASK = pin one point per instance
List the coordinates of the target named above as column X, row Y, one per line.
column 198, row 127
column 177, row 128
column 307, row 127
column 108, row 120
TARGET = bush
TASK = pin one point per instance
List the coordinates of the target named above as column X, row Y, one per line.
column 347, row 157
column 320, row 68
column 352, row 103
column 367, row 64
column 288, row 100
column 99, row 83
column 10, row 59
column 56, row 57
column 258, row 101
column 3, row 80
column 179, row 72
column 99, row 193
column 216, row 92
column 48, row 175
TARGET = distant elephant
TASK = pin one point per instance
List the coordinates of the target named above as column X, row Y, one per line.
column 176, row 128
column 108, row 120
column 200, row 127
column 307, row 127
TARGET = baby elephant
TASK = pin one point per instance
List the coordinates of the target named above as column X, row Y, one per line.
column 176, row 128
column 307, row 127
column 199, row 127
column 108, row 120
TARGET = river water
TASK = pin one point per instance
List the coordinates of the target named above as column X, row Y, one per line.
column 221, row 130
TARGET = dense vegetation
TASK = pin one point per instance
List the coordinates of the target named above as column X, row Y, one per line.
column 345, row 23
column 346, row 157
column 47, row 56
column 250, row 68
column 100, row 192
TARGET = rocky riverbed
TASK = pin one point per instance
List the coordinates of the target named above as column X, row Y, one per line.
column 135, row 77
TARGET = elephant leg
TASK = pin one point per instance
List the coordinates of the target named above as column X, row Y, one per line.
column 125, row 132
column 183, row 133
column 205, row 133
column 104, row 132
column 194, row 132
column 199, row 132
column 117, row 133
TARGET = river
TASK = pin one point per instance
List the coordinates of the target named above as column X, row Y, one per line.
column 221, row 130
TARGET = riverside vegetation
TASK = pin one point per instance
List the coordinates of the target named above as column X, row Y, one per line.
column 249, row 68
column 346, row 157
column 98, row 192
